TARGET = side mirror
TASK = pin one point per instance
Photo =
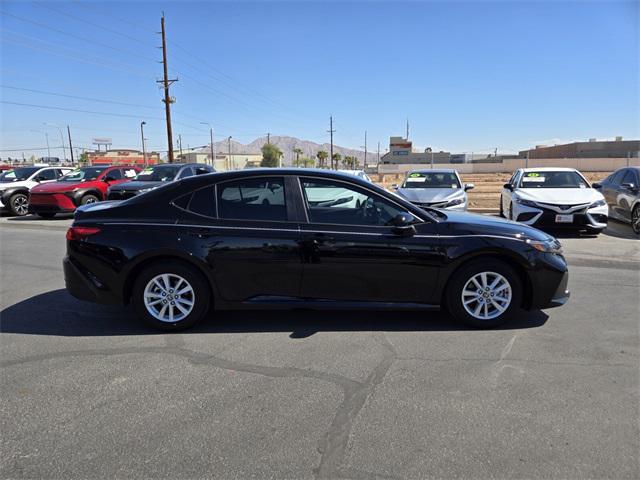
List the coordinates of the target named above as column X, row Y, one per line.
column 402, row 225
column 596, row 185
column 469, row 186
column 629, row 186
column 508, row 186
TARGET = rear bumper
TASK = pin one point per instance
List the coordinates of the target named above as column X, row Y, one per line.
column 84, row 286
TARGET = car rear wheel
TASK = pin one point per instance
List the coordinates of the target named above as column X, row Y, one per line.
column 19, row 204
column 88, row 199
column 171, row 296
column 635, row 220
column 484, row 294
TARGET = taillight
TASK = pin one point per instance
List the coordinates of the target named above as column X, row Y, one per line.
column 80, row 233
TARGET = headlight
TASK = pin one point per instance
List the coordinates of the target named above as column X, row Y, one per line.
column 455, row 201
column 599, row 203
column 527, row 203
column 547, row 246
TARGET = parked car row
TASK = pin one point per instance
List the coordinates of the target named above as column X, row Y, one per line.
column 540, row 197
column 46, row 191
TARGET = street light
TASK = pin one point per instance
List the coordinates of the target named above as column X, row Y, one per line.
column 144, row 151
column 64, row 151
column 213, row 156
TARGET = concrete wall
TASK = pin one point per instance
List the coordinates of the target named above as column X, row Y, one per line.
column 510, row 165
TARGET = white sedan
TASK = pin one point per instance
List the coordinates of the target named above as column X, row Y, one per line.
column 555, row 198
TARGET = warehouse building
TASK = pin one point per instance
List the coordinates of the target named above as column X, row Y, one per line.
column 401, row 152
column 617, row 148
column 122, row 157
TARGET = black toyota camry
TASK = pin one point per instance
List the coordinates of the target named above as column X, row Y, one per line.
column 281, row 238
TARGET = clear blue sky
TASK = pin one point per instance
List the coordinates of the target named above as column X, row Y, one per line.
column 469, row 76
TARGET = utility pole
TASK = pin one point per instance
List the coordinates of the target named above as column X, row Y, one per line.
column 70, row 144
column 365, row 149
column 46, row 136
column 526, row 162
column 167, row 99
column 407, row 129
column 229, row 157
column 180, row 145
column 378, row 160
column 331, row 131
column 144, row 151
column 431, row 159
column 268, row 138
column 213, row 155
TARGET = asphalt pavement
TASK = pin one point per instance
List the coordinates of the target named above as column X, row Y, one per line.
column 89, row 392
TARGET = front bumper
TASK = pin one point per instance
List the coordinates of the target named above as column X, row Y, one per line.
column 562, row 294
column 51, row 203
column 583, row 218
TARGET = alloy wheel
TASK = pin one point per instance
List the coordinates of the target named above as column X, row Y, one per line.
column 169, row 298
column 20, row 204
column 635, row 220
column 486, row 295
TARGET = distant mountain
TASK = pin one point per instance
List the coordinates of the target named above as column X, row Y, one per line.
column 287, row 144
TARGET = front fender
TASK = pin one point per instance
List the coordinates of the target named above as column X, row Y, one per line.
column 77, row 195
column 9, row 192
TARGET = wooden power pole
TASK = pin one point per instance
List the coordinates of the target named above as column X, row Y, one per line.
column 168, row 100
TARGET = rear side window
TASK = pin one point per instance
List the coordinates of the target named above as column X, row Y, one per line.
column 202, row 170
column 186, row 172
column 203, row 202
column 116, row 174
column 616, row 178
column 47, row 174
column 252, row 199
column 629, row 177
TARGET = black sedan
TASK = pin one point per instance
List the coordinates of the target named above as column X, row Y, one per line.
column 154, row 177
column 621, row 191
column 274, row 238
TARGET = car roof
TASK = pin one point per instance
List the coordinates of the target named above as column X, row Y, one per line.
column 549, row 169
column 434, row 170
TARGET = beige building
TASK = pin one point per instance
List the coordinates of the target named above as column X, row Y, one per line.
column 401, row 152
column 224, row 161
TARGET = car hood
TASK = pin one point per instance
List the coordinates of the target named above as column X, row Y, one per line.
column 428, row 195
column 56, row 187
column 560, row 196
column 462, row 223
column 135, row 185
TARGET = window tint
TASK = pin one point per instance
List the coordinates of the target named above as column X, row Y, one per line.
column 186, row 172
column 202, row 202
column 253, row 199
column 617, row 177
column 329, row 201
column 628, row 178
column 115, row 174
column 47, row 174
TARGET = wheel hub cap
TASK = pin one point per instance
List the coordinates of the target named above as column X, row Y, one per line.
column 486, row 295
column 169, row 298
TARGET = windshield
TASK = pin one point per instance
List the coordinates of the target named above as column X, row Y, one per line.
column 83, row 174
column 550, row 179
column 18, row 174
column 158, row 174
column 431, row 180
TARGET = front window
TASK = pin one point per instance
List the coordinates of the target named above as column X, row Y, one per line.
column 431, row 180
column 329, row 201
column 84, row 174
column 17, row 174
column 553, row 179
column 164, row 173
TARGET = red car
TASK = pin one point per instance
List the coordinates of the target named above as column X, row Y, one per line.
column 80, row 187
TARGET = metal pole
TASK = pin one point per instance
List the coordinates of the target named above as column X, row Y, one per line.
column 431, row 159
column 526, row 162
column 167, row 99
column 229, row 157
column 144, row 150
column 70, row 145
column 213, row 155
column 46, row 136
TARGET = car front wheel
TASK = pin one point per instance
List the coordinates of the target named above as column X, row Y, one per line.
column 171, row 296
column 635, row 220
column 484, row 294
column 89, row 199
column 19, row 204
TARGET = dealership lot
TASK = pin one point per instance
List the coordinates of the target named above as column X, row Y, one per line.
column 88, row 391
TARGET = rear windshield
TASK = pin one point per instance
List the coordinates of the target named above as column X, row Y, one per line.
column 431, row 180
column 551, row 179
column 83, row 174
column 18, row 174
column 158, row 174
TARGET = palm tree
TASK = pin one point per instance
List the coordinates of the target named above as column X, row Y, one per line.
column 336, row 159
column 298, row 152
column 321, row 156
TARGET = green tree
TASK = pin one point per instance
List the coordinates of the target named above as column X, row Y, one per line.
column 307, row 162
column 298, row 152
column 270, row 155
column 336, row 160
column 84, row 158
column 322, row 157
column 350, row 162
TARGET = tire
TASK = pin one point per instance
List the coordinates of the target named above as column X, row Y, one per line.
column 635, row 220
column 494, row 270
column 47, row 215
column 171, row 314
column 19, row 204
column 89, row 198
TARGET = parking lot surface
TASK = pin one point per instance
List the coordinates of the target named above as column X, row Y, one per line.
column 87, row 391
